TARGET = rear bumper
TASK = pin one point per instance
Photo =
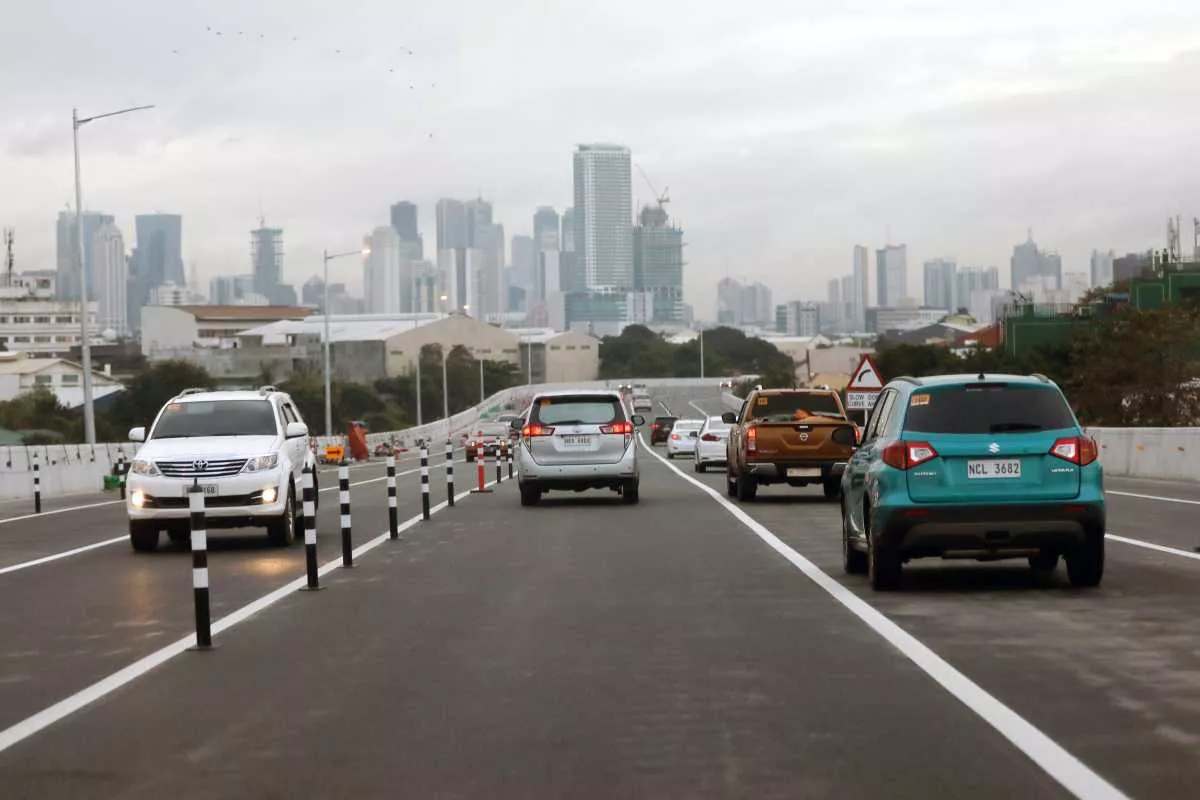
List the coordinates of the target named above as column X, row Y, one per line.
column 981, row 531
column 577, row 476
column 767, row 471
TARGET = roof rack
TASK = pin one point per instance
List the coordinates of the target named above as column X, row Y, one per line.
column 1042, row 377
column 192, row 390
column 267, row 389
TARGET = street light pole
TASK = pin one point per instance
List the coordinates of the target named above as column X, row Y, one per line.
column 482, row 393
column 701, row 354
column 418, row 388
column 85, row 344
column 445, row 388
column 325, row 337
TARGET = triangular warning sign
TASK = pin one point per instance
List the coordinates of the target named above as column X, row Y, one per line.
column 866, row 376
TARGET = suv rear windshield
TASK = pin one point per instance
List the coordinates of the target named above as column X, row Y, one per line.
column 216, row 418
column 783, row 407
column 988, row 408
column 576, row 410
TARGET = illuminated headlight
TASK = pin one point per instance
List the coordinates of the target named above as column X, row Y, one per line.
column 261, row 463
column 137, row 499
column 268, row 495
column 142, row 466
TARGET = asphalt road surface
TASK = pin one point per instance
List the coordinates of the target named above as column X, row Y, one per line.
column 684, row 647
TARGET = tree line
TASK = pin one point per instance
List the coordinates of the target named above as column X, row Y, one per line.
column 641, row 353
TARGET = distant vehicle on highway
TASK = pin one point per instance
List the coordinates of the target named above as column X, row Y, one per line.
column 489, row 436
column 247, row 450
column 978, row 467
column 578, row 440
column 660, row 429
column 711, row 444
column 726, row 383
column 641, row 400
column 682, row 441
column 792, row 436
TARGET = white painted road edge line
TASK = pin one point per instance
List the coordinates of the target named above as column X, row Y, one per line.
column 106, row 542
column 703, row 413
column 1075, row 776
column 63, row 708
column 1161, row 548
column 1157, row 497
column 53, row 511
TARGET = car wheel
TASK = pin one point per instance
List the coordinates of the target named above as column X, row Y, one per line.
column 854, row 562
column 699, row 467
column 883, row 565
column 530, row 494
column 730, row 484
column 143, row 536
column 1044, row 562
column 1085, row 566
column 629, row 492
column 832, row 488
column 281, row 531
column 670, row 455
column 747, row 488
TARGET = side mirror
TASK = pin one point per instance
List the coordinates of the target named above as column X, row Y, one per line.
column 515, row 424
column 137, row 434
column 729, row 418
column 295, row 430
column 638, row 420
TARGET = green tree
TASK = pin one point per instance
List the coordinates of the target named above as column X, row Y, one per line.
column 40, row 412
column 146, row 394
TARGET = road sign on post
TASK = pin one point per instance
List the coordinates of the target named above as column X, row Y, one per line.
column 864, row 385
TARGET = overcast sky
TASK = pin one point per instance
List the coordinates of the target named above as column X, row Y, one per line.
column 787, row 130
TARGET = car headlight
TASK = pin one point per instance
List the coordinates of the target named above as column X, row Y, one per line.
column 261, row 463
column 142, row 466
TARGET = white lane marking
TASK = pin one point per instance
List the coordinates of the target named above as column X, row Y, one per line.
column 1073, row 774
column 665, row 407
column 1162, row 548
column 1157, row 497
column 53, row 511
column 706, row 414
column 63, row 708
column 107, row 542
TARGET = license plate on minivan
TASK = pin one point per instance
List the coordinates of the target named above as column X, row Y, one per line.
column 577, row 441
column 994, row 468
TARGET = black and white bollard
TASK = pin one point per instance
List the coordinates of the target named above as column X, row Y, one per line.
column 310, row 528
column 449, row 473
column 344, row 500
column 508, row 456
column 424, row 481
column 393, row 522
column 37, row 488
column 122, row 472
column 499, row 473
column 200, row 566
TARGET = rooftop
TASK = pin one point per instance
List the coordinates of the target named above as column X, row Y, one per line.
column 343, row 328
column 248, row 312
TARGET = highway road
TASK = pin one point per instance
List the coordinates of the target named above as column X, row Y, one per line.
column 687, row 646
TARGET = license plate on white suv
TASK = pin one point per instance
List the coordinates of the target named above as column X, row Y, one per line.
column 210, row 489
column 994, row 468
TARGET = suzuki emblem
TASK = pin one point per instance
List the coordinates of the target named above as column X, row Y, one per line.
column 994, row 448
column 199, row 465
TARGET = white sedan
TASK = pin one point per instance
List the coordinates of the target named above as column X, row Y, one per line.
column 684, row 435
column 710, row 443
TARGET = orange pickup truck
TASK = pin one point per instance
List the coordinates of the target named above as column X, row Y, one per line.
column 792, row 436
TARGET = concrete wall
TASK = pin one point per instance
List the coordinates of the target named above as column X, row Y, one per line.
column 1169, row 454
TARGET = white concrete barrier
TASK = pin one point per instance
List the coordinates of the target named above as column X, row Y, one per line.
column 1169, row 454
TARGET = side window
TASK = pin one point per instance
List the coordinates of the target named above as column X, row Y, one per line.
column 880, row 415
column 289, row 413
column 742, row 410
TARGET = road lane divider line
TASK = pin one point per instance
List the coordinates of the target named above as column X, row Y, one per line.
column 74, row 551
column 20, row 731
column 1075, row 776
column 703, row 413
column 1161, row 548
column 1157, row 497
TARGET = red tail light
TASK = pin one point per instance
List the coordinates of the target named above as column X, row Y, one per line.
column 654, row 426
column 618, row 427
column 675, row 436
column 1079, row 450
column 536, row 430
column 711, row 437
column 906, row 455
column 752, row 440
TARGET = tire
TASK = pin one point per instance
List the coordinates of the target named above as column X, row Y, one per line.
column 883, row 566
column 832, row 487
column 730, row 484
column 281, row 531
column 1044, row 562
column 698, row 467
column 629, row 493
column 1085, row 566
column 747, row 488
column 530, row 494
column 854, row 562
column 143, row 537
column 670, row 456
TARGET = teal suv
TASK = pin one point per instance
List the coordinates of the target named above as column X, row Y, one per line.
column 980, row 467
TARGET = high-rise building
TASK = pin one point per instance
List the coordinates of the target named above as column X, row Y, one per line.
column 490, row 300
column 861, row 272
column 658, row 264
column 799, row 318
column 160, row 248
column 524, row 265
column 756, row 306
column 230, row 290
column 975, row 279
column 834, row 298
column 1033, row 267
column 404, row 220
column 452, row 229
column 1102, row 268
column 848, row 302
column 941, row 284
column 603, row 209
column 546, row 229
column 891, row 274
column 729, row 301
column 479, row 215
column 383, row 283
column 111, row 279
column 266, row 259
column 67, row 277
column 567, row 240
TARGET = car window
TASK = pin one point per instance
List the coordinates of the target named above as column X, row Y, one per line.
column 492, row 429
column 880, row 415
column 576, row 410
column 716, row 425
column 987, row 408
column 216, row 418
column 688, row 425
column 787, row 407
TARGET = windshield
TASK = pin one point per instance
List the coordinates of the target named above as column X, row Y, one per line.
column 216, row 418
column 576, row 410
column 791, row 406
column 988, row 409
column 688, row 425
column 716, row 425
column 492, row 429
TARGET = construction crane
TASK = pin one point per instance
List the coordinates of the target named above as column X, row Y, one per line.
column 660, row 198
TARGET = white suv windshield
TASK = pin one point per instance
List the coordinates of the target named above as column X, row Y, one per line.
column 216, row 418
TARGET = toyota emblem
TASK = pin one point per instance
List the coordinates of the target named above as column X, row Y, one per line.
column 199, row 465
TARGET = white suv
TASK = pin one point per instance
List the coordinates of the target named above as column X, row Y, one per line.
column 247, row 449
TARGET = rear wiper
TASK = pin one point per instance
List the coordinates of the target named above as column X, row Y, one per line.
column 569, row 422
column 1004, row 427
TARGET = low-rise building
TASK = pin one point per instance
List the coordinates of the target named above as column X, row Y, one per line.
column 549, row 356
column 20, row 373
column 176, row 331
column 32, row 321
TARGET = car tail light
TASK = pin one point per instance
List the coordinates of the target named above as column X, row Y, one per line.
column 711, row 437
column 675, row 436
column 618, row 427
column 530, row 431
column 1079, row 450
column 752, row 439
column 906, row 455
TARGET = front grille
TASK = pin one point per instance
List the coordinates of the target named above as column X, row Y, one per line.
column 227, row 501
column 201, row 468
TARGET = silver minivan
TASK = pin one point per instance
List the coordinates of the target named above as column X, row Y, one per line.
column 577, row 440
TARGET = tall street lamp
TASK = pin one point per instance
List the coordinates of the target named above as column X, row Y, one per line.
column 363, row 251
column 701, row 354
column 85, row 345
